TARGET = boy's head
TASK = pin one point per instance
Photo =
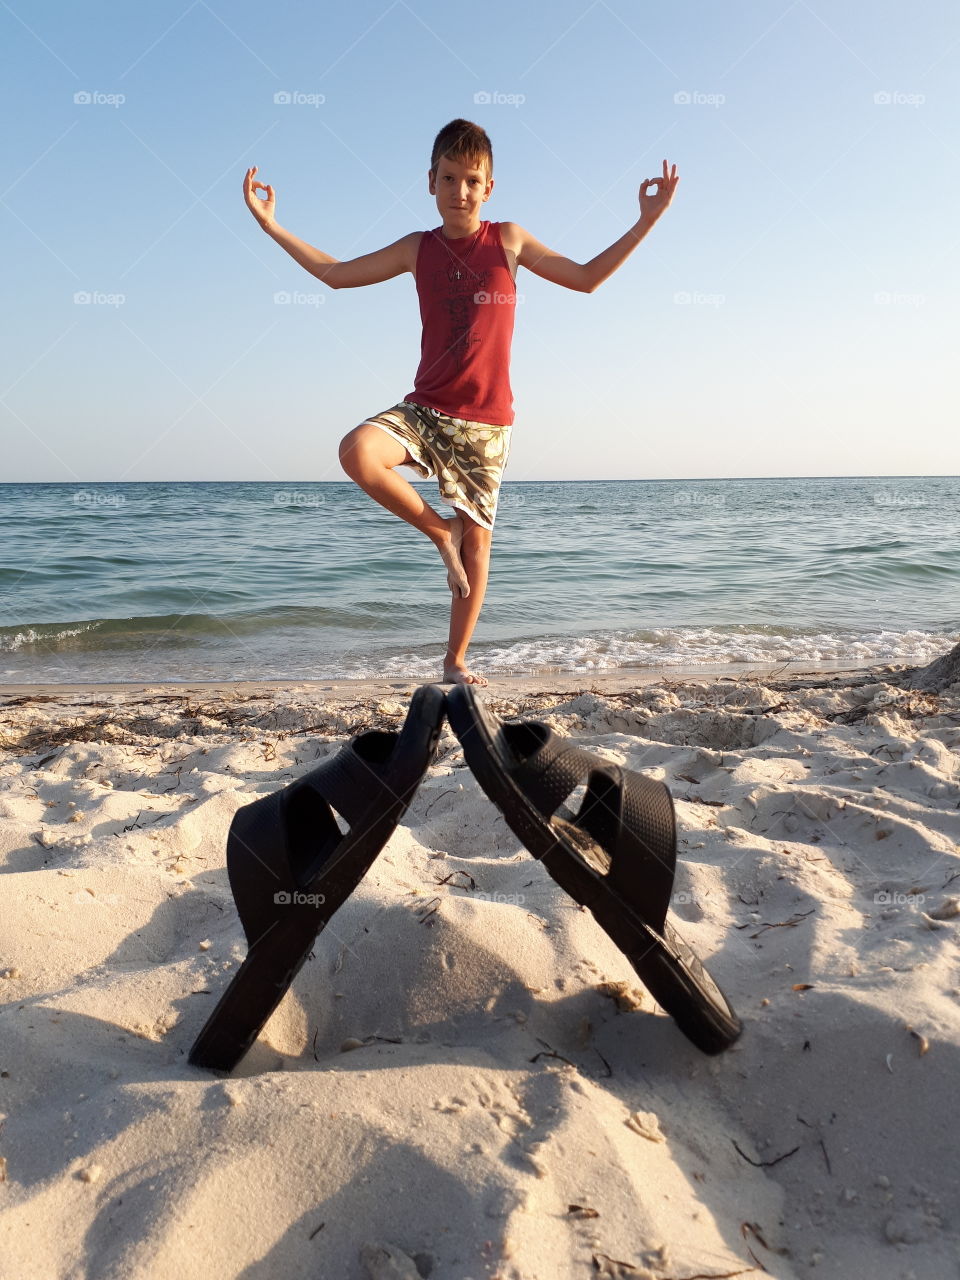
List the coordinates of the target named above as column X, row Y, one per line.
column 461, row 140
column 461, row 172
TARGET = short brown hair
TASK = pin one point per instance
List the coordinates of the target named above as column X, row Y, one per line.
column 461, row 140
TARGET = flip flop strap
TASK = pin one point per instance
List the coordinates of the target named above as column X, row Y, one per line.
column 631, row 817
column 549, row 775
column 353, row 781
column 267, row 856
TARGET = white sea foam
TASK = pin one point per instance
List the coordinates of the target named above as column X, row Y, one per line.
column 30, row 636
column 687, row 647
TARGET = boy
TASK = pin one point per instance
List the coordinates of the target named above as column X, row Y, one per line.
column 456, row 423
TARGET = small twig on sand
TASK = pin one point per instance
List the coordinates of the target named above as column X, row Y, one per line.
column 447, row 878
column 436, row 800
column 783, row 924
column 434, row 909
column 826, row 1158
column 549, row 1052
column 765, row 1164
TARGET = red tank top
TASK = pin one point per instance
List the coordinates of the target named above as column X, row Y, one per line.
column 467, row 326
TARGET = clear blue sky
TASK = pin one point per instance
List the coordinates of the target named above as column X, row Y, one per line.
column 814, row 231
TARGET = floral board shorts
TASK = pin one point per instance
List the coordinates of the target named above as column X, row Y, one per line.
column 467, row 458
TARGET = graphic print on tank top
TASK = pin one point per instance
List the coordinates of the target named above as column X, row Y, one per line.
column 458, row 298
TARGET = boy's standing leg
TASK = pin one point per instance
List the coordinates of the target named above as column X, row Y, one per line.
column 464, row 611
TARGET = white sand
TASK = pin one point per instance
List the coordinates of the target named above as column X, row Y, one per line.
column 496, row 1080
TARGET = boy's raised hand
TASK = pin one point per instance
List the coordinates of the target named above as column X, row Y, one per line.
column 262, row 210
column 651, row 207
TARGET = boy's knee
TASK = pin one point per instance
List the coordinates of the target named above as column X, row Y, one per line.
column 349, row 450
column 347, row 443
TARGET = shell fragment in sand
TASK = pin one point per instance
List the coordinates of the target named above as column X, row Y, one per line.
column 646, row 1124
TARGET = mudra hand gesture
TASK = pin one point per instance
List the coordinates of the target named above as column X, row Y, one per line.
column 262, row 210
column 651, row 206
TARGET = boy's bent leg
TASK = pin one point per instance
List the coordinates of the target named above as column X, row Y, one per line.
column 475, row 554
column 368, row 456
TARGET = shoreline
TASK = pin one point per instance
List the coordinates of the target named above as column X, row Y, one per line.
column 622, row 680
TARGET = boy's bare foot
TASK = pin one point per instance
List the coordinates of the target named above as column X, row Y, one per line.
column 457, row 674
column 450, row 551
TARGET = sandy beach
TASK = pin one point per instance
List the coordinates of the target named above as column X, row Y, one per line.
column 467, row 1080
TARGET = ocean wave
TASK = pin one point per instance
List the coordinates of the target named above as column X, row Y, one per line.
column 12, row 639
column 191, row 629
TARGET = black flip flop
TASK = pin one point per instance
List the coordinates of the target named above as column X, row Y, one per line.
column 617, row 855
column 291, row 867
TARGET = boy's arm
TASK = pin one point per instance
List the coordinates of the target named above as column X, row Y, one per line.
column 587, row 276
column 371, row 268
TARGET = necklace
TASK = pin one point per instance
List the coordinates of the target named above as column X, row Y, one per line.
column 455, row 258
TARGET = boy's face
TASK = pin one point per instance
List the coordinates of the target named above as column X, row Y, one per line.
column 460, row 188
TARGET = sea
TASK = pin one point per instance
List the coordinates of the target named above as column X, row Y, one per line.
column 166, row 582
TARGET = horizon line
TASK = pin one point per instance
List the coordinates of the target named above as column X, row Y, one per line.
column 610, row 480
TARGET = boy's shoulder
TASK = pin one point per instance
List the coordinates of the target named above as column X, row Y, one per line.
column 512, row 237
column 512, row 234
column 409, row 246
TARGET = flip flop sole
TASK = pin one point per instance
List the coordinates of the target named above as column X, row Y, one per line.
column 666, row 964
column 277, row 956
column 275, row 959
